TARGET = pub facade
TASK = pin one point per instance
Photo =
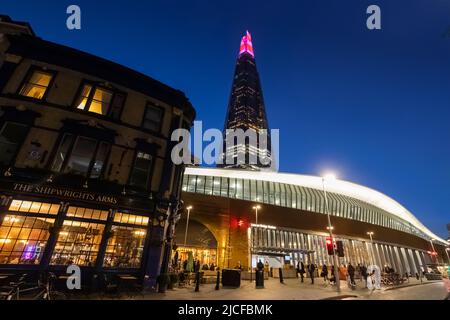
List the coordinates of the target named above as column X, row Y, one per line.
column 85, row 171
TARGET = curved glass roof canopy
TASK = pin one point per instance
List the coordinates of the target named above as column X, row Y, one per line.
column 345, row 199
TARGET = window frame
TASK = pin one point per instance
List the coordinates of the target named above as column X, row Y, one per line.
column 75, row 138
column 95, row 86
column 32, row 69
column 163, row 113
column 20, row 145
column 150, row 172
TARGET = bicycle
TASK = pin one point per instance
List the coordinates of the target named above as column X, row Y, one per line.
column 45, row 289
column 12, row 292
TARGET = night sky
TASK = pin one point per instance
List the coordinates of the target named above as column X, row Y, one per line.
column 372, row 106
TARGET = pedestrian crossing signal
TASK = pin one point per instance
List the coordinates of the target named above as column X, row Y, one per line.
column 330, row 246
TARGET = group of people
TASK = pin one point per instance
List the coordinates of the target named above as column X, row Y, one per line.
column 328, row 274
column 197, row 266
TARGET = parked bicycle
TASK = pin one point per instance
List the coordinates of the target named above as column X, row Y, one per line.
column 12, row 292
column 44, row 290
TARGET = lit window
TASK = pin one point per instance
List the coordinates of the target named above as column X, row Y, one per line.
column 87, row 213
column 23, row 239
column 140, row 174
column 125, row 247
column 34, row 207
column 12, row 135
column 37, row 84
column 130, row 219
column 100, row 100
column 78, row 243
column 152, row 118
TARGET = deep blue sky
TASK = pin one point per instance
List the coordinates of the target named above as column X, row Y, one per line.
column 374, row 106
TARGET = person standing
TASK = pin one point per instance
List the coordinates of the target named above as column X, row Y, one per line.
column 311, row 270
column 324, row 273
column 333, row 276
column 351, row 273
column 197, row 266
column 358, row 272
column 364, row 275
column 301, row 270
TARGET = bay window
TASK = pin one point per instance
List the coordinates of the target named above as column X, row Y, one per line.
column 81, row 155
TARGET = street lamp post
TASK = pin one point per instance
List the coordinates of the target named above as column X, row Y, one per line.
column 256, row 208
column 187, row 225
column 330, row 229
column 371, row 246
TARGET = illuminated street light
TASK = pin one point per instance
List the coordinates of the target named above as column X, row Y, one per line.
column 331, row 177
column 256, row 208
column 187, row 224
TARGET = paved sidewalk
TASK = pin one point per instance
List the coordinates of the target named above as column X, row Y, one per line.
column 292, row 289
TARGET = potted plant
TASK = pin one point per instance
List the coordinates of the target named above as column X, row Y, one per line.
column 163, row 281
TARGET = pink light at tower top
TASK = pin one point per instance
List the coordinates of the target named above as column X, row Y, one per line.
column 246, row 45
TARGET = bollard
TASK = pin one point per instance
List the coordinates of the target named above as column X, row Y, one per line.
column 281, row 275
column 197, row 281
column 218, row 281
column 259, row 279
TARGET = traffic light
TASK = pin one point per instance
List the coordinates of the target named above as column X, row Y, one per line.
column 330, row 247
column 340, row 248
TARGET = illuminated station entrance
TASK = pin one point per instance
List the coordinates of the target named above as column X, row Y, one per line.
column 200, row 245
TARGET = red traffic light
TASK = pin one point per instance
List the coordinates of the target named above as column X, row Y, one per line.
column 330, row 246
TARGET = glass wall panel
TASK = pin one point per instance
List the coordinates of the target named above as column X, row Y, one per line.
column 239, row 189
column 200, row 185
column 216, row 186
column 208, row 185
column 224, row 187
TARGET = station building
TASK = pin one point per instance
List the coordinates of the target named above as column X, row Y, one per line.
column 291, row 224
